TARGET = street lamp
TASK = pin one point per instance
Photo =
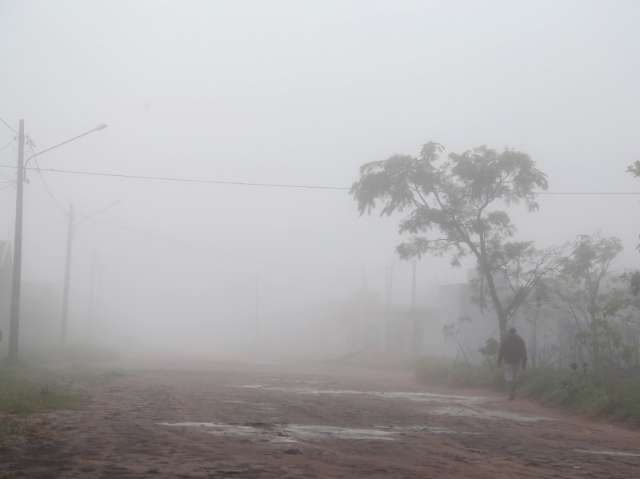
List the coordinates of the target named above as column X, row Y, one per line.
column 14, row 324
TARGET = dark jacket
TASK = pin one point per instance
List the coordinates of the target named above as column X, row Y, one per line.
column 513, row 350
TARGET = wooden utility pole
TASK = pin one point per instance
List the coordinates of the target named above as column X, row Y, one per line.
column 67, row 279
column 14, row 325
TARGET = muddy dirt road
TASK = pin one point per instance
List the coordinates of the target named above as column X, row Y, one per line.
column 275, row 422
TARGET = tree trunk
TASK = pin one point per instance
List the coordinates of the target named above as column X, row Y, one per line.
column 493, row 291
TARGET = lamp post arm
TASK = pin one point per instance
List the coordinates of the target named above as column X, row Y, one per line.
column 38, row 153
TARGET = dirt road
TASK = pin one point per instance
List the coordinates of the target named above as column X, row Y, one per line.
column 274, row 422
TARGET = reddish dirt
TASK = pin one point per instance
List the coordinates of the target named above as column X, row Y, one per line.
column 119, row 435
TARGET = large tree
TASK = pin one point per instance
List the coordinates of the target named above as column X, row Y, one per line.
column 455, row 205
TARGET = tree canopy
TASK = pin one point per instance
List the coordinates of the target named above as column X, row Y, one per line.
column 456, row 204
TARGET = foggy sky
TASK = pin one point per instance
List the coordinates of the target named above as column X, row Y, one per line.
column 304, row 93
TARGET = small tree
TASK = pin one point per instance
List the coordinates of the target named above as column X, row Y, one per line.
column 596, row 299
column 536, row 309
column 455, row 205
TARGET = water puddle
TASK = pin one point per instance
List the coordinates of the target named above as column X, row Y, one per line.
column 217, row 429
column 437, row 430
column 291, row 433
column 334, row 432
column 485, row 414
column 605, row 452
column 285, row 434
column 456, row 405
column 411, row 396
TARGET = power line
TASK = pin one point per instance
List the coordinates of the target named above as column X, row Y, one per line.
column 48, row 190
column 176, row 179
column 4, row 147
column 185, row 180
column 8, row 126
column 588, row 193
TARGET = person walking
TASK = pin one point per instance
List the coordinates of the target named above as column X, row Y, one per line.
column 513, row 353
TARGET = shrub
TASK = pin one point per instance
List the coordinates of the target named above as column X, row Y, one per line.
column 577, row 389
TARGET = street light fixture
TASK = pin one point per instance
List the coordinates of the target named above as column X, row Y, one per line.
column 14, row 325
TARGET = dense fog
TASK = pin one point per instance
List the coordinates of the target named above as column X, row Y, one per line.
column 299, row 94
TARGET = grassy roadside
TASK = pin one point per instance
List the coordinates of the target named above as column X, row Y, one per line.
column 24, row 392
column 610, row 395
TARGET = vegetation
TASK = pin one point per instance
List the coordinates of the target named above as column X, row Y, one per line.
column 23, row 392
column 455, row 206
column 577, row 389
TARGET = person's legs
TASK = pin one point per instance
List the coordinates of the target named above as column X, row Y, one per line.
column 511, row 378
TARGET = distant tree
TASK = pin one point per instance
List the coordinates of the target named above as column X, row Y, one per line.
column 453, row 332
column 455, row 205
column 537, row 308
column 600, row 303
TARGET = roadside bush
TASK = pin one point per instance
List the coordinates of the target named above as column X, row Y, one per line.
column 576, row 389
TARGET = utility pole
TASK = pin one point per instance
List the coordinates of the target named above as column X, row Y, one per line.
column 416, row 340
column 16, row 280
column 388, row 307
column 92, row 286
column 14, row 325
column 389, row 287
column 67, row 278
column 413, row 285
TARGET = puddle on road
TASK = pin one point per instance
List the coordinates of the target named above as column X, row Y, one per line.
column 292, row 432
column 411, row 396
column 334, row 432
column 605, row 452
column 485, row 414
column 460, row 406
column 286, row 433
column 217, row 429
column 437, row 430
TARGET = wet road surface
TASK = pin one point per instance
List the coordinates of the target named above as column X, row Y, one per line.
column 310, row 422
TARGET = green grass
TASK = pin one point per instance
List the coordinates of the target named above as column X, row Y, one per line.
column 24, row 392
column 581, row 391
